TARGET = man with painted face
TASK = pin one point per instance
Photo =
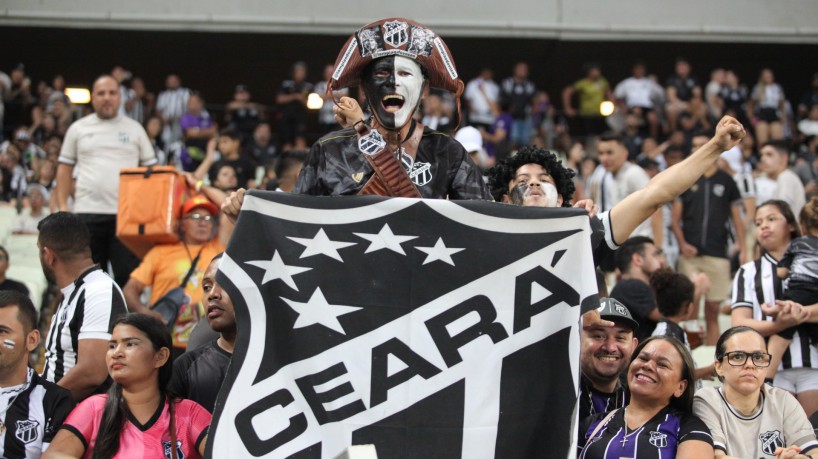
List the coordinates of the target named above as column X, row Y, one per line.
column 395, row 61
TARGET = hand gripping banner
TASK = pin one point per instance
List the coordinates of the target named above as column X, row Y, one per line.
column 428, row 328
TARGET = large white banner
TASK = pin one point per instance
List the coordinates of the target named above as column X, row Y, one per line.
column 429, row 328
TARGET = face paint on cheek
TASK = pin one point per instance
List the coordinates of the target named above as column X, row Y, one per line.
column 522, row 191
column 518, row 194
column 409, row 82
column 9, row 343
column 551, row 194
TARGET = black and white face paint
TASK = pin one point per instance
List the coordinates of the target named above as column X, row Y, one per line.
column 543, row 195
column 533, row 186
column 393, row 87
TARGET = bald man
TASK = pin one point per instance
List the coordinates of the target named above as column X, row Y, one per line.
column 98, row 146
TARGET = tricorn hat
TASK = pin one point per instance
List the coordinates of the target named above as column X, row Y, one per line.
column 396, row 37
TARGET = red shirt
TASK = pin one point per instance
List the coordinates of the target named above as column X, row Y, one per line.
column 148, row 441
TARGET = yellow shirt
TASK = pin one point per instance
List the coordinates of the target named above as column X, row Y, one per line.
column 590, row 94
column 164, row 268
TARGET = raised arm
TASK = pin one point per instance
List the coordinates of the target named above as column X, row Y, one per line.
column 673, row 181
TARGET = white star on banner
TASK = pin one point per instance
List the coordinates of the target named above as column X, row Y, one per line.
column 317, row 310
column 276, row 269
column 321, row 245
column 385, row 239
column 439, row 252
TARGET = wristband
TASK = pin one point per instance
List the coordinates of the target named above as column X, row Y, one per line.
column 199, row 185
column 362, row 129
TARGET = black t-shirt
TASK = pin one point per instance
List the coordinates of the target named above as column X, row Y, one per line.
column 294, row 109
column 734, row 98
column 519, row 95
column 441, row 168
column 245, row 170
column 245, row 119
column 198, row 374
column 9, row 284
column 706, row 206
column 810, row 98
column 640, row 300
column 684, row 86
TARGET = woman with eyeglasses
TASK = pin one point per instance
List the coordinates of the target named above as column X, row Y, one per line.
column 658, row 421
column 757, row 302
column 747, row 418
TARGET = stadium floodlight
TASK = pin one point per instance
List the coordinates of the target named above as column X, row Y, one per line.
column 606, row 108
column 78, row 95
column 314, row 101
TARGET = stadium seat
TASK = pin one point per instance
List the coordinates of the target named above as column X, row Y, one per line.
column 22, row 248
column 7, row 217
column 33, row 278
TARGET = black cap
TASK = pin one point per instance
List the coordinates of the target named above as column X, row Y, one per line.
column 242, row 88
column 613, row 310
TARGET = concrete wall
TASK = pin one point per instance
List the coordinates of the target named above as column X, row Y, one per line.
column 788, row 21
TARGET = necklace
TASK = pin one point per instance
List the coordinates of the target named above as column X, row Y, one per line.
column 625, row 419
column 3, row 413
column 13, row 399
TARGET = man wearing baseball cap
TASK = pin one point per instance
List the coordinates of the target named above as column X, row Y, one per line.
column 174, row 271
column 605, row 354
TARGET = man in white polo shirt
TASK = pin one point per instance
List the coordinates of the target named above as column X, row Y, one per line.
column 98, row 146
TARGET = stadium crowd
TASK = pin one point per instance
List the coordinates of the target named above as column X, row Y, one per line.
column 718, row 248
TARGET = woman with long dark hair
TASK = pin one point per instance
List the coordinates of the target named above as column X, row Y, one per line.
column 658, row 420
column 137, row 417
column 758, row 303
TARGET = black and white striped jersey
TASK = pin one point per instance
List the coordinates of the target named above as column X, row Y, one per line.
column 756, row 283
column 38, row 407
column 88, row 310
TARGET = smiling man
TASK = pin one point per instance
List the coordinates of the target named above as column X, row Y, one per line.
column 605, row 354
column 395, row 61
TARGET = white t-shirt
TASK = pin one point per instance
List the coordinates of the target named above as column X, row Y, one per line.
column 479, row 107
column 608, row 189
column 791, row 190
column 636, row 92
column 98, row 149
column 779, row 422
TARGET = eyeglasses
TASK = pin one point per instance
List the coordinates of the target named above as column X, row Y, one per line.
column 739, row 358
column 199, row 217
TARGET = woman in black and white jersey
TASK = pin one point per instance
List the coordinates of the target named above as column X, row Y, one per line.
column 757, row 293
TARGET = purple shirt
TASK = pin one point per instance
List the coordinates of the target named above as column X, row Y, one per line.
column 201, row 121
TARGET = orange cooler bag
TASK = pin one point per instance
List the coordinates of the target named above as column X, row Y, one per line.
column 149, row 203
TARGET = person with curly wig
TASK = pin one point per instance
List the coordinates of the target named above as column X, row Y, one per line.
column 535, row 177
